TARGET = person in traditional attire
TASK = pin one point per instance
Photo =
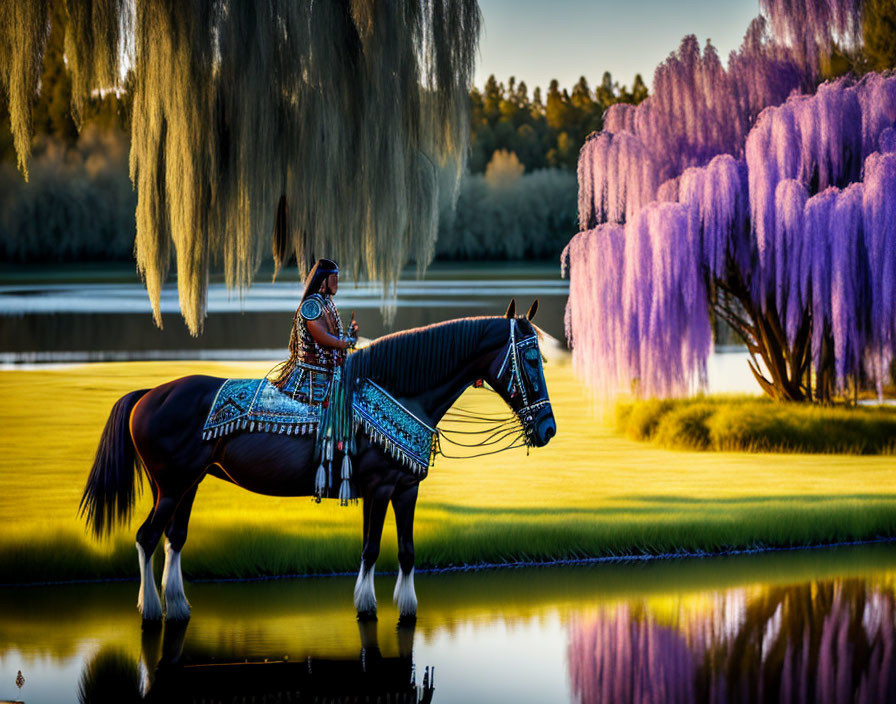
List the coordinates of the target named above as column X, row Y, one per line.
column 318, row 343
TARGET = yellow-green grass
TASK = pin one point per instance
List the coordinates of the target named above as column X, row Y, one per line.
column 590, row 493
column 749, row 423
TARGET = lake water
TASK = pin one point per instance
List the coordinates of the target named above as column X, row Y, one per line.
column 104, row 315
column 802, row 626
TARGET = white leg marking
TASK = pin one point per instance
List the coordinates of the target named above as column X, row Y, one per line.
column 365, row 597
column 404, row 595
column 148, row 603
column 177, row 608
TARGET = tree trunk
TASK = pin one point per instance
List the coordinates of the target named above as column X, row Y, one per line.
column 785, row 372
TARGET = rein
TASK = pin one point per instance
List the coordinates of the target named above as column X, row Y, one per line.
column 503, row 426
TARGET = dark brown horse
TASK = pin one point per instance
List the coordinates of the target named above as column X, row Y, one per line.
column 425, row 369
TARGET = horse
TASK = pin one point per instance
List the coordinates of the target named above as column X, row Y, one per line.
column 158, row 432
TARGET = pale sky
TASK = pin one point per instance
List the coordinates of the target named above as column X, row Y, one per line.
column 537, row 40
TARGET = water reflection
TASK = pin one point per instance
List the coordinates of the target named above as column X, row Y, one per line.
column 167, row 672
column 803, row 626
column 829, row 641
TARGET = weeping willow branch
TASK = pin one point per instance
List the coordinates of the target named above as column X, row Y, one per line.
column 347, row 108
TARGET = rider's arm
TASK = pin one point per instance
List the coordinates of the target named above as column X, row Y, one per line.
column 322, row 336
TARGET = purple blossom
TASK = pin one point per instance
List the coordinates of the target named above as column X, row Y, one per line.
column 849, row 270
column 879, row 222
column 815, row 269
column 790, row 203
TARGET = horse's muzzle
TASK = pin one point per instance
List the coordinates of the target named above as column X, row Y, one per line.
column 545, row 428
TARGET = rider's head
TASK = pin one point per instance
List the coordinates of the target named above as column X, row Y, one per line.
column 330, row 284
column 323, row 278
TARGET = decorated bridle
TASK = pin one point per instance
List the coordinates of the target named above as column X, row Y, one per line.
column 500, row 429
column 516, row 384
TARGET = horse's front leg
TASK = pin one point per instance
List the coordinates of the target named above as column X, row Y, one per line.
column 376, row 501
column 403, row 503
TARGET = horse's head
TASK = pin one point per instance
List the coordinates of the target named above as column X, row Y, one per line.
column 518, row 377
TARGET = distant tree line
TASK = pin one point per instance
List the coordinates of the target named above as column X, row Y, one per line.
column 518, row 200
column 544, row 132
column 78, row 204
column 508, row 214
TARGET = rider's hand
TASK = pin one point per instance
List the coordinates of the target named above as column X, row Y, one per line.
column 353, row 329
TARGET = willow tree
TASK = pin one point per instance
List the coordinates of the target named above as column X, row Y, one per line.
column 340, row 111
column 704, row 204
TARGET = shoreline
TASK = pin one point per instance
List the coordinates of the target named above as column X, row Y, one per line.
column 486, row 566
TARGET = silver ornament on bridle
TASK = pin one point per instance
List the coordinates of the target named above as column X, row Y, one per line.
column 515, row 348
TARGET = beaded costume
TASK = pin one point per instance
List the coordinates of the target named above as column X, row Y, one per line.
column 307, row 376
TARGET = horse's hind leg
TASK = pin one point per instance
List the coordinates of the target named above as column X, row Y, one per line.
column 148, row 535
column 403, row 504
column 177, row 608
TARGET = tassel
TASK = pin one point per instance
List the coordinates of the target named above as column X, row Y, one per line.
column 345, row 493
column 320, row 482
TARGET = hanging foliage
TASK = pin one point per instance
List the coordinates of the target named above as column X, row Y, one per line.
column 780, row 221
column 347, row 108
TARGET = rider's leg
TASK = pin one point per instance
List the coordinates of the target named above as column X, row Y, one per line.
column 375, row 504
column 403, row 504
column 177, row 608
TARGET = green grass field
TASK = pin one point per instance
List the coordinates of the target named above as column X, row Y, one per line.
column 591, row 492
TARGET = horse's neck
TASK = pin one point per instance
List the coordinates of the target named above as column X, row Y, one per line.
column 434, row 402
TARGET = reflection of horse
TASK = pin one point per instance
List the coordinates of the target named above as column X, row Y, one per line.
column 425, row 369
column 169, row 672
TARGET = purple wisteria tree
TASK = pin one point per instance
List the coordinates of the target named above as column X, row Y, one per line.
column 703, row 203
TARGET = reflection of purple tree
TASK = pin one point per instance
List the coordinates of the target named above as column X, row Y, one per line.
column 617, row 658
column 824, row 642
column 827, row 642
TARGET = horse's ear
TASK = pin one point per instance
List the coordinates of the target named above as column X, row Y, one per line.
column 511, row 309
column 533, row 309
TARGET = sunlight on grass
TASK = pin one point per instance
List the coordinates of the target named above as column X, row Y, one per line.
column 591, row 492
column 752, row 424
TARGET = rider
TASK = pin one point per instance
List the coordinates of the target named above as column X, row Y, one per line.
column 318, row 343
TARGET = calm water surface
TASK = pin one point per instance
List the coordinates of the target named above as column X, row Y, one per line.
column 799, row 626
column 71, row 317
column 104, row 315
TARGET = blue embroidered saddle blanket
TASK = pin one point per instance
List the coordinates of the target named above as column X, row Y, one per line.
column 256, row 405
column 393, row 427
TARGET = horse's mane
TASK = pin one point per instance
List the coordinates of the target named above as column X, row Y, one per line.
column 411, row 361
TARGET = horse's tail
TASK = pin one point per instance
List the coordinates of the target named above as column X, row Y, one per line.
column 109, row 495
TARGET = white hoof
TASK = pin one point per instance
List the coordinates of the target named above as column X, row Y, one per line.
column 148, row 603
column 404, row 595
column 365, row 597
column 177, row 608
